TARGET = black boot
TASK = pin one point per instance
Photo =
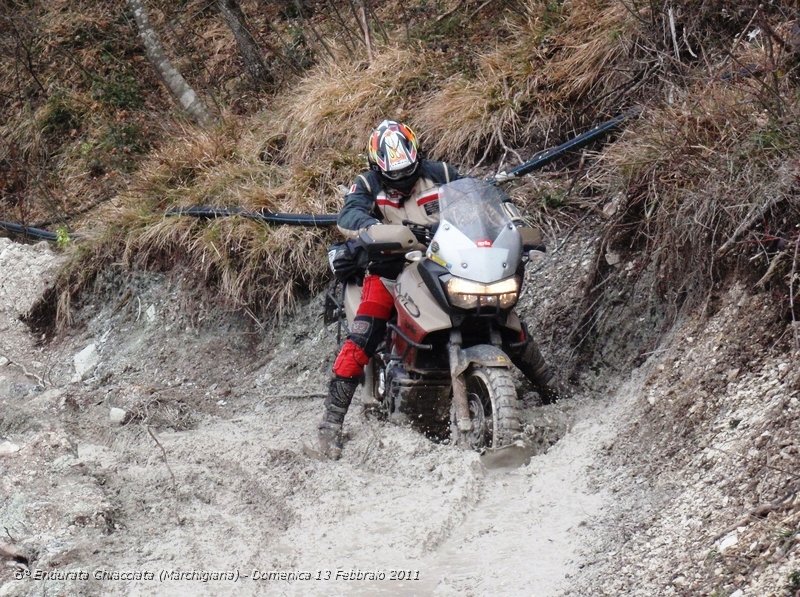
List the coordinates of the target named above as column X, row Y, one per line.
column 340, row 394
column 533, row 366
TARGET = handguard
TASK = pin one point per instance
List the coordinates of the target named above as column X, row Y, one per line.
column 382, row 239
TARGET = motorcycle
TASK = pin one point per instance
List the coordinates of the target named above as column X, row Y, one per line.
column 445, row 362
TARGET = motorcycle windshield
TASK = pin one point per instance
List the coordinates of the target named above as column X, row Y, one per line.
column 476, row 238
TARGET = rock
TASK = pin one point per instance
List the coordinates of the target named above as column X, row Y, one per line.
column 679, row 581
column 86, row 360
column 12, row 588
column 150, row 313
column 613, row 258
column 737, row 593
column 51, row 397
column 612, row 207
column 7, row 448
column 4, row 361
column 15, row 390
column 727, row 542
column 117, row 415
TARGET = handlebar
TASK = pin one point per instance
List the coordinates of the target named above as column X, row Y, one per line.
column 423, row 232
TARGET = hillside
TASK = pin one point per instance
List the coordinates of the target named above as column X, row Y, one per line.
column 668, row 298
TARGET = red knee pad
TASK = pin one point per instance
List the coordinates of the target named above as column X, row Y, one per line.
column 376, row 301
column 351, row 360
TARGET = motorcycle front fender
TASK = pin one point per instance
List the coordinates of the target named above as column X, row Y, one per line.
column 481, row 354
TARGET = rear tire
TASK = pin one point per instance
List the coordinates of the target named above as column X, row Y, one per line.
column 494, row 409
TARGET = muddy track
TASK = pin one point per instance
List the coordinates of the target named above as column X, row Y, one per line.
column 205, row 470
column 180, row 452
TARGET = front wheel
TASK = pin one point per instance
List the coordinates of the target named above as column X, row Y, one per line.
column 493, row 409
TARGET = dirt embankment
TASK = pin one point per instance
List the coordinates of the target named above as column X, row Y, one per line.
column 174, row 443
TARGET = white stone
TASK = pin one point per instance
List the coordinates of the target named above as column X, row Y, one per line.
column 117, row 415
column 4, row 361
column 7, row 448
column 12, row 588
column 737, row 593
column 727, row 542
column 613, row 258
column 86, row 360
column 150, row 313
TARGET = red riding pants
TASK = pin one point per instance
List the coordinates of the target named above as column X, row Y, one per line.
column 367, row 329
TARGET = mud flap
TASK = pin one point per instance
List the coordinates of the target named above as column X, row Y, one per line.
column 511, row 456
column 482, row 354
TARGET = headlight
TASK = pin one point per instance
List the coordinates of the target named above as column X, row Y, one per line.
column 467, row 294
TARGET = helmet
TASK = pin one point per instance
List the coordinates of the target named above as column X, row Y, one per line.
column 393, row 153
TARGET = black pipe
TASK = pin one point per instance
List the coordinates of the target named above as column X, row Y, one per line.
column 260, row 216
column 544, row 157
column 540, row 160
column 35, row 233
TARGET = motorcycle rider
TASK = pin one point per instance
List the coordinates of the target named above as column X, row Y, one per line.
column 399, row 187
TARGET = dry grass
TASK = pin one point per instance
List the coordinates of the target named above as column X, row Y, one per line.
column 709, row 183
column 264, row 269
column 562, row 67
column 336, row 105
column 561, row 61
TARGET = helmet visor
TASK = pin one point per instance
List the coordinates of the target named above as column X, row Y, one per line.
column 401, row 174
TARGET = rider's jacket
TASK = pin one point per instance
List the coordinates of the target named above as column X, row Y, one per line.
column 369, row 201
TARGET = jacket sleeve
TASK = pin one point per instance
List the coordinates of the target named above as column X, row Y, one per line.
column 439, row 172
column 359, row 207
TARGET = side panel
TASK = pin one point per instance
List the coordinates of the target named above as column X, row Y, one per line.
column 416, row 305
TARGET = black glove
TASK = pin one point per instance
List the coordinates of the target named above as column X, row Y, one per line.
column 347, row 260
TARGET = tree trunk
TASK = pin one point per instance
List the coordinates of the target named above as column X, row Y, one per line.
column 362, row 13
column 248, row 48
column 173, row 79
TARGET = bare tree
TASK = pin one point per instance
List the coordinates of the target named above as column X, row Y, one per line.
column 362, row 17
column 171, row 77
column 248, row 48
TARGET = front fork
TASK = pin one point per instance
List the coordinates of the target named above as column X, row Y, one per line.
column 486, row 355
column 457, row 368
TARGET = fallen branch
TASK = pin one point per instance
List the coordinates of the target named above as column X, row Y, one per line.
column 449, row 12
column 773, row 267
column 169, row 468
column 24, row 370
column 671, row 14
column 293, row 396
column 755, row 215
column 477, row 10
column 759, row 512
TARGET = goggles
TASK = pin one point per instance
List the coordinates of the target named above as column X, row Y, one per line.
column 401, row 174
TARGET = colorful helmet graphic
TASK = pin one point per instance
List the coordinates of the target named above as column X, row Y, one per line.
column 393, row 150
